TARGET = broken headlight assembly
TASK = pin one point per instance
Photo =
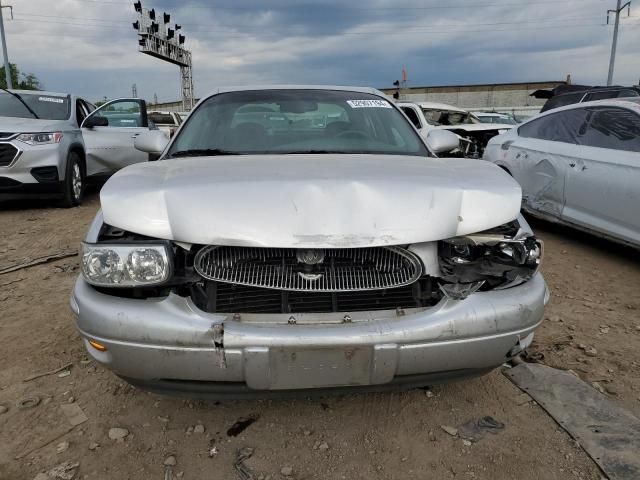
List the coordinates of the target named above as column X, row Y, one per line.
column 119, row 265
column 487, row 261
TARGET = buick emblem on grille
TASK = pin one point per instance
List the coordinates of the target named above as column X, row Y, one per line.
column 312, row 277
column 310, row 270
column 310, row 257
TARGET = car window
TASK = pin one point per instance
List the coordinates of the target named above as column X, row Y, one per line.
column 81, row 112
column 89, row 106
column 565, row 126
column 123, row 114
column 628, row 93
column 161, row 118
column 298, row 121
column 593, row 96
column 499, row 119
column 562, row 100
column 438, row 117
column 48, row 107
column 412, row 115
column 606, row 94
column 612, row 127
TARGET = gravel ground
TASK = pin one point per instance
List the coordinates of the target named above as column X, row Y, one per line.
column 592, row 328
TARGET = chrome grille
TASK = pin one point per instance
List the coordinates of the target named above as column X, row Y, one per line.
column 321, row 270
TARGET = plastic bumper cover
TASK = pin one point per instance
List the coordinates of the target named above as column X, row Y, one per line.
column 169, row 339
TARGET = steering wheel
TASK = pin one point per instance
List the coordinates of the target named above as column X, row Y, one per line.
column 353, row 134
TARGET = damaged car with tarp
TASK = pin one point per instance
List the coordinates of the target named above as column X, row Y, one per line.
column 305, row 238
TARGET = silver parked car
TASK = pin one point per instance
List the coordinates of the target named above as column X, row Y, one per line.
column 579, row 165
column 51, row 144
column 305, row 238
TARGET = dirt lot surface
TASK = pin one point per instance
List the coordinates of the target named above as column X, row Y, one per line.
column 592, row 327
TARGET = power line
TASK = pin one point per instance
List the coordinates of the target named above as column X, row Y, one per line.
column 414, row 28
column 389, row 32
column 352, row 7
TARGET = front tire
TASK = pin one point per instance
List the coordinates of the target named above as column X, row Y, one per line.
column 73, row 181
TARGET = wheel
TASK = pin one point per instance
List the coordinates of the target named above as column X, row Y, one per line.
column 73, row 181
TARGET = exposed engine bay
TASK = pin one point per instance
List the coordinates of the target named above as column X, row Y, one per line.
column 472, row 144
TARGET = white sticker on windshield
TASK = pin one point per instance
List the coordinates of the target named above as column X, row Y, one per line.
column 369, row 104
column 51, row 99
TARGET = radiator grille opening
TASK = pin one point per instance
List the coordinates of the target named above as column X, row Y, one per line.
column 7, row 153
column 219, row 297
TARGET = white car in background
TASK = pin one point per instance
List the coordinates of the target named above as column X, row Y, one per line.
column 168, row 122
column 474, row 135
column 579, row 165
column 493, row 117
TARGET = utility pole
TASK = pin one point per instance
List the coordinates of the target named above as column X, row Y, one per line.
column 7, row 70
column 614, row 45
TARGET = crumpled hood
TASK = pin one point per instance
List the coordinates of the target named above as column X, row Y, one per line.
column 30, row 125
column 309, row 201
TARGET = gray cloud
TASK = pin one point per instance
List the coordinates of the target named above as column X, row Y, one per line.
column 89, row 46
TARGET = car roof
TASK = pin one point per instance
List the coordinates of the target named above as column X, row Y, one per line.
column 596, row 89
column 40, row 92
column 490, row 114
column 297, row 87
column 632, row 103
column 440, row 106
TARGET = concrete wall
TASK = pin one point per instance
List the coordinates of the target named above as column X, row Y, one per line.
column 479, row 97
column 500, row 97
column 167, row 106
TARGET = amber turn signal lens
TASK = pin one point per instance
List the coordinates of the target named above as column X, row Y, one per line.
column 97, row 346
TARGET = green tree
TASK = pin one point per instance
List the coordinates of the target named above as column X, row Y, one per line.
column 20, row 80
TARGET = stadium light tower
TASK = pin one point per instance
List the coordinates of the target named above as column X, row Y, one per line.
column 158, row 39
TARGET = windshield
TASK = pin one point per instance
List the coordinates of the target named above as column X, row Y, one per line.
column 297, row 121
column 502, row 119
column 47, row 107
column 448, row 117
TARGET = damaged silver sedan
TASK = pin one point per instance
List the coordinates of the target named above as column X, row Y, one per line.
column 580, row 166
column 294, row 238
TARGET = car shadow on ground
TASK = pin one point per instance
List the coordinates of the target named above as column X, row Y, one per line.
column 90, row 193
column 587, row 240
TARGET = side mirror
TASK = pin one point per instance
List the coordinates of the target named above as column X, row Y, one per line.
column 152, row 142
column 95, row 121
column 442, row 141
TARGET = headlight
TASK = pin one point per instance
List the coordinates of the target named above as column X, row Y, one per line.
column 487, row 261
column 108, row 265
column 40, row 138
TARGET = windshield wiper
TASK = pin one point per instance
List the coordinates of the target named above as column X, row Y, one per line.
column 201, row 152
column 309, row 152
column 35, row 115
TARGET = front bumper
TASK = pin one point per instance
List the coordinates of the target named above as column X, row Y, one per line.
column 37, row 171
column 171, row 343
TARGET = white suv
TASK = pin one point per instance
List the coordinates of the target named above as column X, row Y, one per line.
column 52, row 143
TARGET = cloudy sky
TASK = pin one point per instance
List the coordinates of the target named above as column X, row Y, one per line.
column 89, row 46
